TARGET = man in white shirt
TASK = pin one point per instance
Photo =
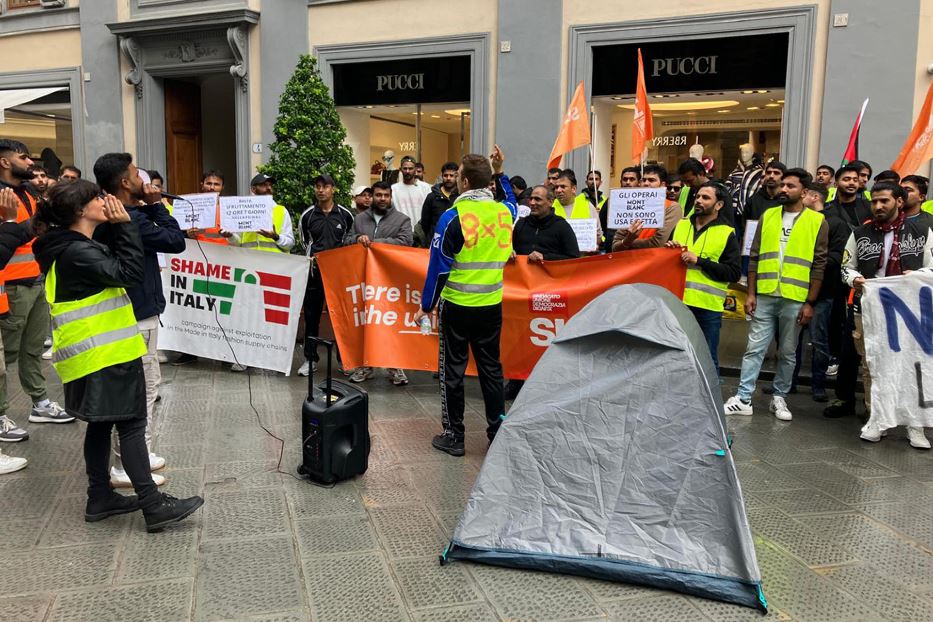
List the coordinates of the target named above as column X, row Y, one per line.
column 408, row 195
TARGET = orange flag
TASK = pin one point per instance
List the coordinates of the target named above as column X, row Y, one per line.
column 642, row 125
column 574, row 131
column 919, row 146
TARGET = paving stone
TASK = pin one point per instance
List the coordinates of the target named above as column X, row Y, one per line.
column 166, row 555
column 758, row 476
column 353, row 533
column 880, row 592
column 425, row 583
column 53, row 570
column 237, row 578
column 306, row 499
column 67, row 525
column 851, row 463
column 243, row 473
column 801, row 501
column 366, row 589
column 29, row 497
column 534, row 595
column 841, row 485
column 466, row 613
column 408, row 531
column 913, row 522
column 237, row 514
column 153, row 602
column 658, row 609
column 24, row 608
column 796, row 538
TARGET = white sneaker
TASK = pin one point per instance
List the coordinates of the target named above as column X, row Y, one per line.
column 362, row 374
column 119, row 479
column 162, row 356
column 48, row 342
column 832, row 370
column 871, row 432
column 305, row 368
column 238, row 368
column 918, row 440
column 50, row 413
column 11, row 464
column 780, row 409
column 398, row 376
column 47, row 355
column 735, row 406
column 156, row 462
column 10, row 432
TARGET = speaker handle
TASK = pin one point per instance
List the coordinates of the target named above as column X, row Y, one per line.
column 330, row 349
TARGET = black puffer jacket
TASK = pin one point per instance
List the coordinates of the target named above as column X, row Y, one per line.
column 83, row 268
column 551, row 236
column 434, row 205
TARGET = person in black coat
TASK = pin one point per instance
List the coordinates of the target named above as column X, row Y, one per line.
column 440, row 200
column 542, row 235
column 77, row 268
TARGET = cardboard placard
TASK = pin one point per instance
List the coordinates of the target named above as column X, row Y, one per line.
column 249, row 213
column 196, row 211
column 626, row 205
column 586, row 230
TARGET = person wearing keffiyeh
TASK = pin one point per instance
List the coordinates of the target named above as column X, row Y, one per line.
column 889, row 245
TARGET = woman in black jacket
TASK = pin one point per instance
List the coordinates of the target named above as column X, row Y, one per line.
column 103, row 386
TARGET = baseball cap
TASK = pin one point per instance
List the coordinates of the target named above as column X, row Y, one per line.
column 361, row 189
column 261, row 178
column 326, row 179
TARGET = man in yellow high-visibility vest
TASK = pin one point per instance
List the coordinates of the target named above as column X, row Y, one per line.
column 281, row 238
column 471, row 245
column 785, row 271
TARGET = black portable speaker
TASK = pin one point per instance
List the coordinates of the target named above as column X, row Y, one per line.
column 334, row 428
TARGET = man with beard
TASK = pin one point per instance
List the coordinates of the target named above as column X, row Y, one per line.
column 440, row 199
column 570, row 205
column 26, row 325
column 409, row 193
column 631, row 177
column 381, row 224
column 117, row 175
column 552, row 174
column 713, row 259
column 825, row 175
column 889, row 245
column 786, row 266
column 766, row 197
column 40, row 181
column 655, row 176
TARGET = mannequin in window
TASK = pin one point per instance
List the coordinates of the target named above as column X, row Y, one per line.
column 747, row 164
column 390, row 173
column 697, row 152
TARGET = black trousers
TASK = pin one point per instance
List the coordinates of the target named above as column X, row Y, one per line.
column 314, row 307
column 465, row 329
column 133, row 451
column 849, row 361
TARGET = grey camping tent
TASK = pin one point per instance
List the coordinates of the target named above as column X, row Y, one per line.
column 614, row 462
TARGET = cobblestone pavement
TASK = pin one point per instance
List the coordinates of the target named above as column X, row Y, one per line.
column 843, row 529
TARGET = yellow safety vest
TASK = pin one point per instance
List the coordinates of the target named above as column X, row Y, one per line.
column 682, row 200
column 255, row 241
column 476, row 275
column 700, row 290
column 580, row 209
column 92, row 333
column 927, row 206
column 793, row 274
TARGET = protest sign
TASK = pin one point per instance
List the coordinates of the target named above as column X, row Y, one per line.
column 897, row 321
column 586, row 231
column 626, row 205
column 241, row 214
column 196, row 211
column 751, row 226
column 233, row 302
column 373, row 295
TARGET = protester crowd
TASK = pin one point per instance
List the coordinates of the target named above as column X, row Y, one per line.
column 81, row 276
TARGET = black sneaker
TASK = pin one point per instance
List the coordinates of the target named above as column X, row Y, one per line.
column 819, row 394
column 170, row 510
column 99, row 509
column 839, row 409
column 448, row 444
column 184, row 359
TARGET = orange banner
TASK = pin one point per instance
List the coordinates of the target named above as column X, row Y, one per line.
column 642, row 123
column 574, row 130
column 373, row 295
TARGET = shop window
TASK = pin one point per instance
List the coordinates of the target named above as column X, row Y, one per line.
column 41, row 119
column 21, row 4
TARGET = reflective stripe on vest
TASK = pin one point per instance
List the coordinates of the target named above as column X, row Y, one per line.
column 22, row 264
column 476, row 274
column 92, row 333
column 793, row 274
column 580, row 209
column 255, row 241
column 700, row 290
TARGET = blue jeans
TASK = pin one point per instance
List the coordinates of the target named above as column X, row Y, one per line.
column 819, row 337
column 772, row 314
column 710, row 323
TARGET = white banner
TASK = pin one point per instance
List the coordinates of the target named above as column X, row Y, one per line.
column 626, row 205
column 196, row 210
column 241, row 299
column 897, row 317
column 248, row 213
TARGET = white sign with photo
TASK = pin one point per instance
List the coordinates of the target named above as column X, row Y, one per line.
column 242, row 214
column 626, row 205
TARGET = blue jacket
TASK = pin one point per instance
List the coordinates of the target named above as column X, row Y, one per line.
column 160, row 234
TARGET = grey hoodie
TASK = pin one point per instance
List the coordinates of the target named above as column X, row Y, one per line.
column 393, row 228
